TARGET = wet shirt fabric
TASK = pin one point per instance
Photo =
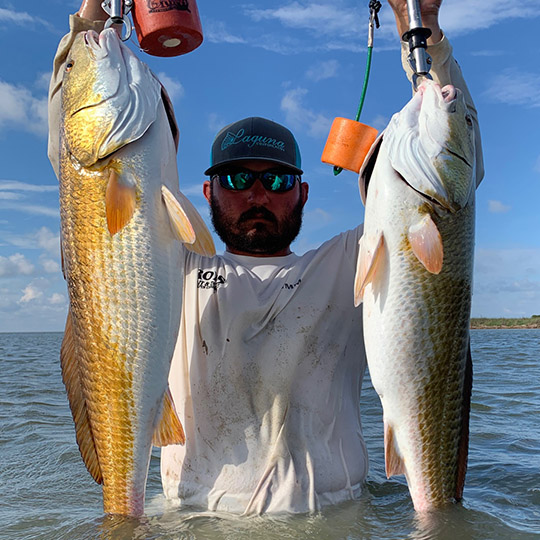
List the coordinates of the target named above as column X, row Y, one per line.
column 266, row 378
column 269, row 363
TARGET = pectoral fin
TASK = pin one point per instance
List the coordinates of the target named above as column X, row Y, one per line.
column 169, row 430
column 77, row 403
column 369, row 261
column 426, row 244
column 392, row 459
column 120, row 202
column 187, row 224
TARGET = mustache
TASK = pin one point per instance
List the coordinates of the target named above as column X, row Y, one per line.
column 257, row 212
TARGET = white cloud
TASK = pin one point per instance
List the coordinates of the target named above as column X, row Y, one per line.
column 514, row 87
column 216, row 122
column 506, row 282
column 20, row 17
column 43, row 239
column 15, row 265
column 380, row 122
column 322, row 18
column 43, row 80
column 465, row 16
column 33, row 291
column 20, row 109
column 217, row 32
column 300, row 117
column 174, row 88
column 34, row 209
column 323, row 70
column 10, row 196
column 14, row 185
column 497, row 207
column 194, row 190
column 316, row 219
column 488, row 53
column 50, row 266
column 57, row 299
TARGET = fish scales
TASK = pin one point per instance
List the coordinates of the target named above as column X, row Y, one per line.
column 121, row 260
column 416, row 326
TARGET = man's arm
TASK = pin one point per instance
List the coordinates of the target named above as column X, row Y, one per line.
column 90, row 17
column 444, row 69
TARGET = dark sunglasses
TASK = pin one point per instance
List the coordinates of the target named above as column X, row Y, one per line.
column 272, row 181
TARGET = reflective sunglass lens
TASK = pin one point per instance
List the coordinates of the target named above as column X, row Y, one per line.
column 242, row 180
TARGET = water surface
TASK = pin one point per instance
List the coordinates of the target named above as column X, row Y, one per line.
column 46, row 492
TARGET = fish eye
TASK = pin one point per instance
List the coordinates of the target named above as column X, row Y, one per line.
column 469, row 121
column 69, row 65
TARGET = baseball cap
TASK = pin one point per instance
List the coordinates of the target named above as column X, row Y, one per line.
column 255, row 138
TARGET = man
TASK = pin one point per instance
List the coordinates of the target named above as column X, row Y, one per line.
column 268, row 368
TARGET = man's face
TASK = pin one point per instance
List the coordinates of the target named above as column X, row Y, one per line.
column 256, row 221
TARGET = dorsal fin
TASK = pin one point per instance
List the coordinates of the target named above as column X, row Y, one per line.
column 77, row 403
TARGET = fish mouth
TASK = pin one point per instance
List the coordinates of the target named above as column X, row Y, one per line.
column 99, row 47
column 458, row 156
column 438, row 203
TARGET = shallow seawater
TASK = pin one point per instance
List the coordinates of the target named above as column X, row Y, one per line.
column 46, row 492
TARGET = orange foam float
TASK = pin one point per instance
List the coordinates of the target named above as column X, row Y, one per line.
column 348, row 144
column 167, row 27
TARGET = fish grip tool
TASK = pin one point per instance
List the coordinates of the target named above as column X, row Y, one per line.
column 349, row 141
column 118, row 14
column 417, row 36
column 163, row 27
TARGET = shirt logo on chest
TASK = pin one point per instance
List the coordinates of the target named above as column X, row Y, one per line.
column 209, row 279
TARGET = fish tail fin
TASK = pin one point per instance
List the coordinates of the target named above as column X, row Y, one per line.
column 77, row 403
column 169, row 430
column 464, row 438
column 393, row 461
column 187, row 224
column 367, row 266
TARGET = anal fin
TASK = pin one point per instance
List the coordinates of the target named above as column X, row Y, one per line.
column 169, row 430
column 393, row 462
column 77, row 403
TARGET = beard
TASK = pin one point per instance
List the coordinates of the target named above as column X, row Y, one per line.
column 266, row 237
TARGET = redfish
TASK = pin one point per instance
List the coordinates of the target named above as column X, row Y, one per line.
column 121, row 223
column 414, row 278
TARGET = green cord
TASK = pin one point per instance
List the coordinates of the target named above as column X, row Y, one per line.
column 364, row 88
column 337, row 170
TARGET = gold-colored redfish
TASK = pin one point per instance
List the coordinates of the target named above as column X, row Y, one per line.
column 414, row 278
column 120, row 226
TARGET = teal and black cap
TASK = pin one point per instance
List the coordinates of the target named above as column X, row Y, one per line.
column 255, row 138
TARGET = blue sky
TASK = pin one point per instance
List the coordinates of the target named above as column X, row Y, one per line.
column 299, row 63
